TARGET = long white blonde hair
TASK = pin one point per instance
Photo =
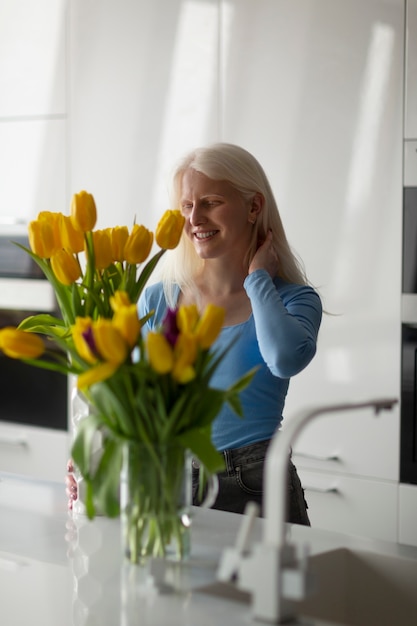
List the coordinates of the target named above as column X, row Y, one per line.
column 238, row 167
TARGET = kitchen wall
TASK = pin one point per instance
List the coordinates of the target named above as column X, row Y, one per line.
column 106, row 95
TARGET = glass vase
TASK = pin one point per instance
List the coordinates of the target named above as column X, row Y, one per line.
column 80, row 409
column 155, row 502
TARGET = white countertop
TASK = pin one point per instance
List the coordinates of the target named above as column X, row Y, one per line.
column 56, row 570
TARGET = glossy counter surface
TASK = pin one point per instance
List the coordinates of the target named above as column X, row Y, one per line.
column 58, row 570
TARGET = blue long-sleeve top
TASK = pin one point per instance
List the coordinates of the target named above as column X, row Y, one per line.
column 279, row 338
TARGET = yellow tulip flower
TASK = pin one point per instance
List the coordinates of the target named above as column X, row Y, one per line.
column 160, row 353
column 126, row 320
column 102, row 248
column 71, row 239
column 187, row 318
column 185, row 353
column 109, row 342
column 138, row 245
column 83, row 211
column 65, row 267
column 169, row 229
column 19, row 344
column 96, row 374
column 82, row 334
column 120, row 299
column 210, row 325
column 119, row 235
column 53, row 218
column 41, row 238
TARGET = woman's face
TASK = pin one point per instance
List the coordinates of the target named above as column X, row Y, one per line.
column 219, row 221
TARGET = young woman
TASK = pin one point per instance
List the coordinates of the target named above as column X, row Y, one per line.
column 234, row 253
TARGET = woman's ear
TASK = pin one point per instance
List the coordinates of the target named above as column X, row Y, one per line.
column 257, row 204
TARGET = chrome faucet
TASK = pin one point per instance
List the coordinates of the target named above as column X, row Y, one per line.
column 272, row 572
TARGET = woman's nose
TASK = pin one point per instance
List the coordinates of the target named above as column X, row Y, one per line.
column 197, row 215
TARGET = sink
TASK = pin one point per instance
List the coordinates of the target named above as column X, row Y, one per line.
column 351, row 588
column 358, row 588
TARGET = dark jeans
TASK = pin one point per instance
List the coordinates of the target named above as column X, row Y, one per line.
column 242, row 482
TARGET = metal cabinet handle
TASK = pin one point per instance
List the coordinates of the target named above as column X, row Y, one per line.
column 316, row 457
column 13, row 442
column 321, row 489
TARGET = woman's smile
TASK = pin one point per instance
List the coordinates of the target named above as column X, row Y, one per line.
column 202, row 235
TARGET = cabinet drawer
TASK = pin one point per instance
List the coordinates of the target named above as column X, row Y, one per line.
column 356, row 443
column 37, row 452
column 351, row 505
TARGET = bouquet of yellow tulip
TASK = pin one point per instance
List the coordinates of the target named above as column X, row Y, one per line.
column 84, row 288
column 149, row 393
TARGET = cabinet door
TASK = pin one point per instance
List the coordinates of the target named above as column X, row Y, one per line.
column 353, row 442
column 40, row 453
column 351, row 505
column 315, row 89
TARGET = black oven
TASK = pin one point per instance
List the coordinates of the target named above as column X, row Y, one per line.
column 29, row 395
column 408, row 457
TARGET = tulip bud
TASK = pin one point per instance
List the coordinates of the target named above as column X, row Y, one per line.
column 119, row 236
column 160, row 353
column 138, row 245
column 83, row 211
column 71, row 239
column 210, row 325
column 41, row 238
column 20, row 344
column 102, row 249
column 65, row 267
column 169, row 229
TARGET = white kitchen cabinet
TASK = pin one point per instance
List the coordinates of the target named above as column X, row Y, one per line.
column 40, row 453
column 407, row 525
column 350, row 505
column 315, row 91
column 410, row 108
